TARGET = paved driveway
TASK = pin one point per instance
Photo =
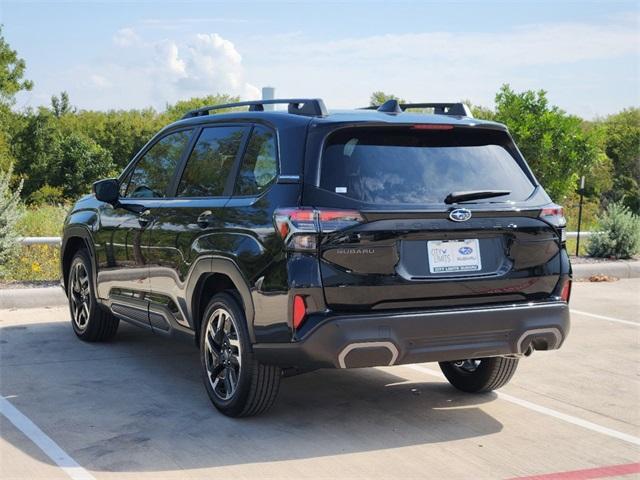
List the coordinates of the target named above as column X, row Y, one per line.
column 135, row 408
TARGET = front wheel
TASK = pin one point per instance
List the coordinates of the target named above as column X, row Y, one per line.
column 236, row 383
column 90, row 321
column 481, row 374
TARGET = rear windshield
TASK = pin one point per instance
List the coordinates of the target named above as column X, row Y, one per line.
column 414, row 166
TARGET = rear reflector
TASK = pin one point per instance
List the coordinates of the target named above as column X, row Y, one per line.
column 299, row 311
column 565, row 293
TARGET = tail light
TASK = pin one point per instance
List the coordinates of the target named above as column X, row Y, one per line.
column 554, row 215
column 299, row 311
column 299, row 227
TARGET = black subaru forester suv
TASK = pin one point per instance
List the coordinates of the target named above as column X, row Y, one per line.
column 287, row 241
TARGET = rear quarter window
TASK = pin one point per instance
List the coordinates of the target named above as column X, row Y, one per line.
column 402, row 165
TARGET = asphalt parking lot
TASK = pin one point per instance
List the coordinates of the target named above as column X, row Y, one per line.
column 135, row 408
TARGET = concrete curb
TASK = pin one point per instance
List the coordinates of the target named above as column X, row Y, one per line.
column 619, row 268
column 32, row 297
column 55, row 297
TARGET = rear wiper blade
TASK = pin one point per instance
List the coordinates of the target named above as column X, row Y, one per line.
column 457, row 197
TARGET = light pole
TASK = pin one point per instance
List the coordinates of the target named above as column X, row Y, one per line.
column 268, row 93
column 581, row 192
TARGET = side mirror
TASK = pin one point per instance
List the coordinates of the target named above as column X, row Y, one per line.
column 107, row 190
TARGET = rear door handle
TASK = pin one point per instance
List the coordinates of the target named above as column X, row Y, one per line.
column 144, row 218
column 204, row 219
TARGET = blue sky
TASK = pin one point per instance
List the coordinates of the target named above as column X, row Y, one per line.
column 135, row 54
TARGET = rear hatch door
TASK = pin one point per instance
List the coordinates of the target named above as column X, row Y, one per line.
column 413, row 250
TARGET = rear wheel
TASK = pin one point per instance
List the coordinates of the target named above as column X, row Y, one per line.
column 236, row 383
column 480, row 374
column 90, row 321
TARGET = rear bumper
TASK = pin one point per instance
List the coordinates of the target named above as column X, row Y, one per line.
column 364, row 340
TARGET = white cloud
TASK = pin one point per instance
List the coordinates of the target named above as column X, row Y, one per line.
column 169, row 57
column 446, row 66
column 126, row 37
column 521, row 46
column 99, row 81
column 157, row 72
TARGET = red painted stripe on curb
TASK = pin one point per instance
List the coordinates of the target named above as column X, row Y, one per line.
column 599, row 472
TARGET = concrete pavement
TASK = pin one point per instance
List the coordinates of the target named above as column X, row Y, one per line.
column 135, row 408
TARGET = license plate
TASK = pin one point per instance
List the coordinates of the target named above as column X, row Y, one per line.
column 448, row 256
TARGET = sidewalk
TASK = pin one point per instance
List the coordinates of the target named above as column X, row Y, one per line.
column 619, row 269
column 32, row 297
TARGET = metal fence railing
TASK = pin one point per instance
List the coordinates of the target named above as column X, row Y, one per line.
column 27, row 241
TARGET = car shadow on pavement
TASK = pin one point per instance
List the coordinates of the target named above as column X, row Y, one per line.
column 137, row 405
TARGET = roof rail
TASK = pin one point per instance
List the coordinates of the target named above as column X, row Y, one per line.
column 311, row 107
column 455, row 109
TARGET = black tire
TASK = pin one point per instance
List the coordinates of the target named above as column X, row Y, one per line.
column 480, row 375
column 228, row 357
column 90, row 321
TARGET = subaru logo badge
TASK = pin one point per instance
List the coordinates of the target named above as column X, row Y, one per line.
column 460, row 215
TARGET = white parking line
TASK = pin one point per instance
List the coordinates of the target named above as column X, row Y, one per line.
column 602, row 317
column 43, row 441
column 548, row 411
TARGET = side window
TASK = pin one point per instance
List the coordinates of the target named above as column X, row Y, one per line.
column 259, row 165
column 153, row 172
column 210, row 162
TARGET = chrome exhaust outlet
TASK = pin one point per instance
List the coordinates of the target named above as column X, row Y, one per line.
column 370, row 350
column 539, row 339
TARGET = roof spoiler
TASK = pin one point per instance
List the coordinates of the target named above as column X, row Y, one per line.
column 310, row 107
column 394, row 107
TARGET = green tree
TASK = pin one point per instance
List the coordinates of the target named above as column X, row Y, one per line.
column 622, row 145
column 6, row 158
column 176, row 111
column 12, row 81
column 11, row 73
column 51, row 155
column 556, row 145
column 35, row 147
column 80, row 162
column 122, row 133
column 61, row 105
column 379, row 97
column 478, row 111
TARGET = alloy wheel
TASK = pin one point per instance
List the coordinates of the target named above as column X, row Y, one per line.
column 467, row 366
column 222, row 354
column 80, row 296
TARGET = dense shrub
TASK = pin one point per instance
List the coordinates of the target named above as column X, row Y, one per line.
column 619, row 235
column 47, row 195
column 9, row 215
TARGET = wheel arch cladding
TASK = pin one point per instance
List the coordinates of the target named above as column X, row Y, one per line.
column 74, row 242
column 223, row 275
